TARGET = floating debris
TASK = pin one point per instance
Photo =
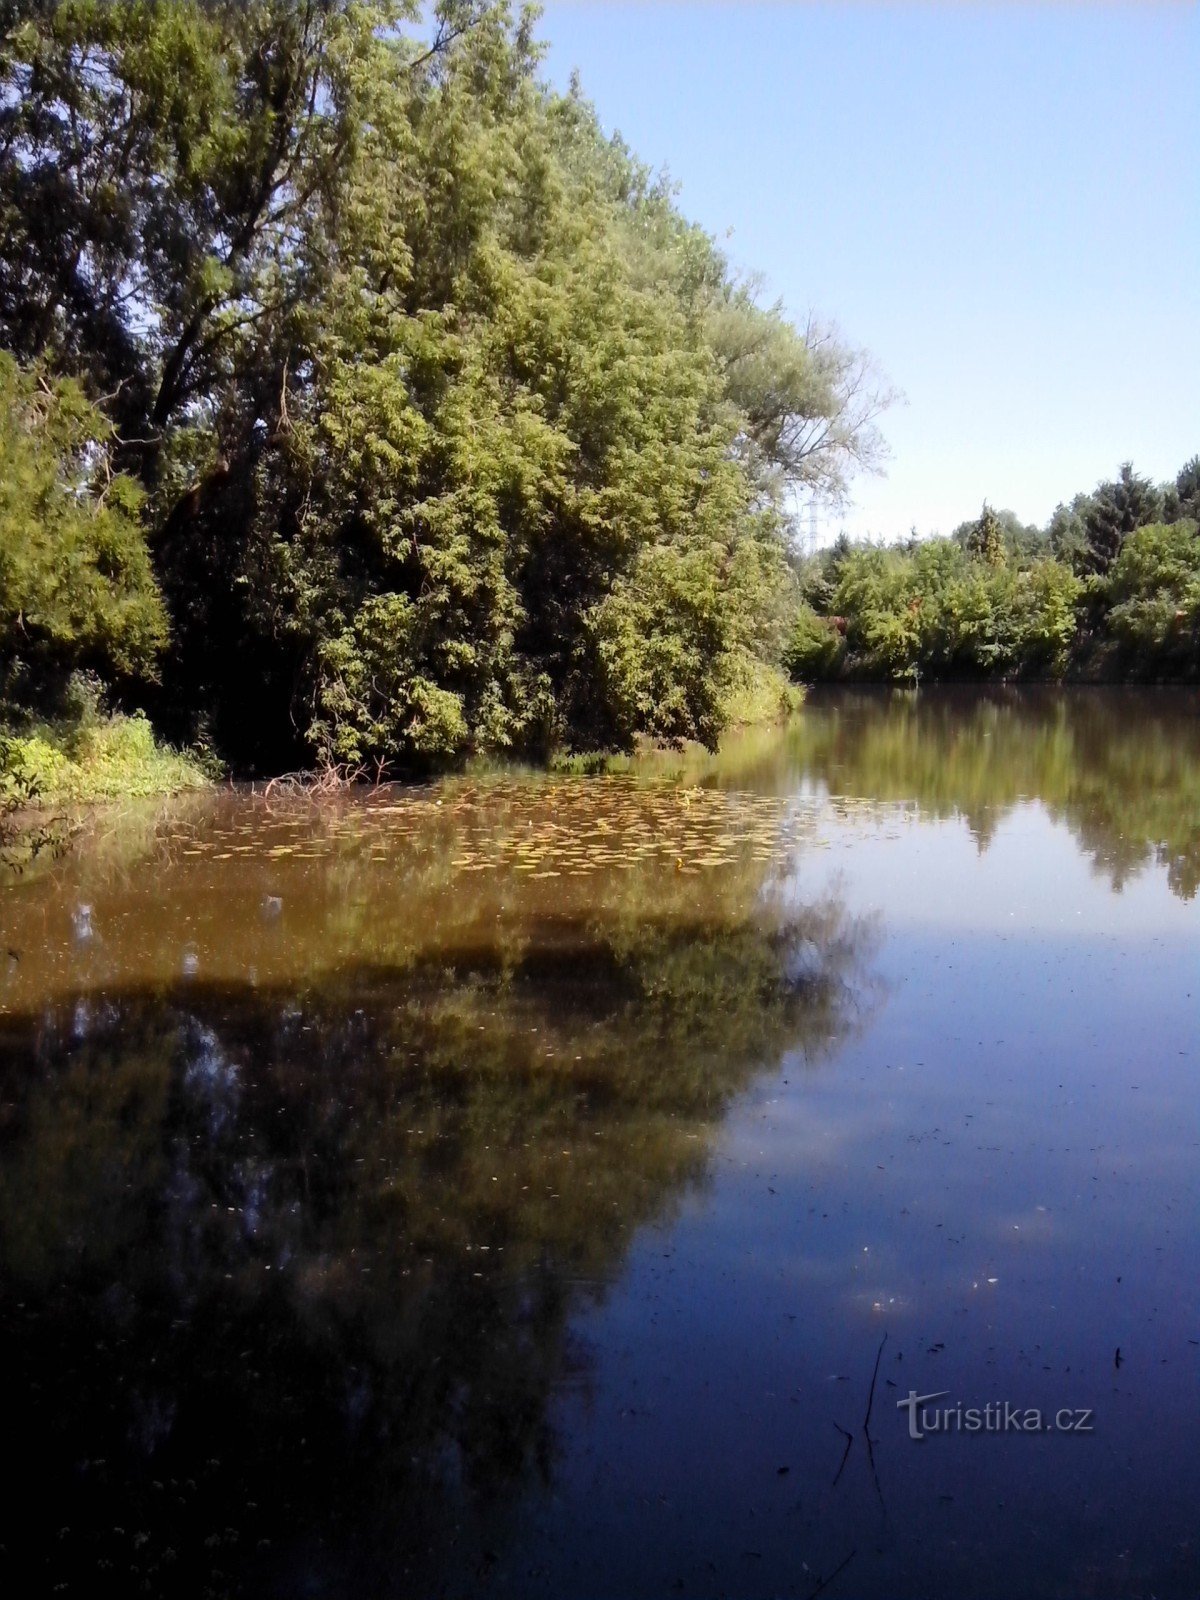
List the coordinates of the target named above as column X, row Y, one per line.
column 541, row 828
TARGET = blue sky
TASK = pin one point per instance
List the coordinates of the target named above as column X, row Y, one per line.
column 1001, row 202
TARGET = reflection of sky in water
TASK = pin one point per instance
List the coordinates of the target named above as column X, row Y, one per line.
column 1029, row 877
column 1003, row 1174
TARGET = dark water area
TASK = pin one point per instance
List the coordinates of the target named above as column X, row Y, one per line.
column 508, row 1187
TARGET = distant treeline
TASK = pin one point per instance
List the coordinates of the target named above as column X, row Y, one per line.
column 1109, row 588
column 364, row 403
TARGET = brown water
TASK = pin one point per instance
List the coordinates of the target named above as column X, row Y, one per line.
column 506, row 1187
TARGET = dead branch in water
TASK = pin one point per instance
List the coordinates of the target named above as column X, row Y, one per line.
column 319, row 782
column 871, row 1396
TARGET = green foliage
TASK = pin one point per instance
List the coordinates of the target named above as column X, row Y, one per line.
column 89, row 753
column 180, row 159
column 1103, row 589
column 651, row 648
column 1115, row 510
column 1153, row 592
column 760, row 695
column 546, row 527
column 808, row 402
column 120, row 756
column 1005, row 535
column 936, row 610
column 876, row 594
column 76, row 588
column 1181, row 500
column 115, row 758
column 23, row 834
column 1048, row 620
column 1067, row 532
column 986, row 538
column 815, row 649
column 31, row 765
column 455, row 435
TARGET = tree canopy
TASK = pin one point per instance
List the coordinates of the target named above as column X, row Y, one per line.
column 76, row 586
column 451, row 432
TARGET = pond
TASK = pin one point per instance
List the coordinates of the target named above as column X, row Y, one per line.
column 544, row 1186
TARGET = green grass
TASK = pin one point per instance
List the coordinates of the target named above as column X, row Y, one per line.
column 98, row 758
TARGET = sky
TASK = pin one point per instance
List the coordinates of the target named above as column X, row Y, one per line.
column 1000, row 201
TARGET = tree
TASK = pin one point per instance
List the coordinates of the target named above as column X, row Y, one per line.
column 170, row 180
column 454, row 434
column 809, row 402
column 1181, row 502
column 1153, row 591
column 76, row 587
column 1067, row 532
column 1117, row 508
column 985, row 541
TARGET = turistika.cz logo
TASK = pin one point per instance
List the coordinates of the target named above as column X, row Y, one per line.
column 998, row 1416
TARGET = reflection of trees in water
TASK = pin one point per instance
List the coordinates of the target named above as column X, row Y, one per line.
column 235, row 888
column 298, row 1267
column 1120, row 768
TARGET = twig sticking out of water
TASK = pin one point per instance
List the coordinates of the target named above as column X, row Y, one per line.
column 866, row 1428
column 871, row 1396
column 825, row 1582
column 326, row 780
column 849, row 1438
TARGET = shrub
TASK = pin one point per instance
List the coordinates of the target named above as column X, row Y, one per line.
column 1153, row 592
column 816, row 649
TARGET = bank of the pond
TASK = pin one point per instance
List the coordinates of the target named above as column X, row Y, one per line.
column 100, row 758
column 103, row 758
column 51, row 775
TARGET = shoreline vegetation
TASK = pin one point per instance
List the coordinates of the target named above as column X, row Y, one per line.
column 1107, row 592
column 96, row 757
column 365, row 407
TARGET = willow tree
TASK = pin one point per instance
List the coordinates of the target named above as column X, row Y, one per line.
column 453, row 433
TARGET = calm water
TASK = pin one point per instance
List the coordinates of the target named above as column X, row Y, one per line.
column 506, row 1188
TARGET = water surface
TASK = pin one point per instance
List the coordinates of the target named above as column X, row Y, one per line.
column 506, row 1187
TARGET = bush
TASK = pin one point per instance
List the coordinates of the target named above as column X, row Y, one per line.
column 759, row 695
column 1048, row 595
column 816, row 649
column 933, row 610
column 1153, row 594
column 89, row 754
